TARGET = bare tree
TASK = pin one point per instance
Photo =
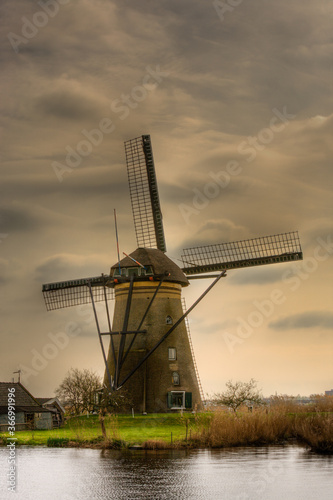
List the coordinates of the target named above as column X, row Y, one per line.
column 77, row 390
column 239, row 393
column 113, row 401
column 109, row 402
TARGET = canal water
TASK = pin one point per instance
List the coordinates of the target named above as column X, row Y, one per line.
column 269, row 473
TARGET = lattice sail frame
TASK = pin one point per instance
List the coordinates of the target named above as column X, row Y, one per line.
column 284, row 247
column 142, row 181
column 75, row 292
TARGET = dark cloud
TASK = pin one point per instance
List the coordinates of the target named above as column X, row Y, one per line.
column 312, row 319
column 4, row 272
column 10, row 271
column 67, row 106
column 22, row 219
column 101, row 187
column 69, row 266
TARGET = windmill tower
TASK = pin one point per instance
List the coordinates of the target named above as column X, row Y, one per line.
column 149, row 351
column 147, row 286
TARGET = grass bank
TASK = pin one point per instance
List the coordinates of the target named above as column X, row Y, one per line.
column 142, row 430
column 261, row 428
column 216, row 429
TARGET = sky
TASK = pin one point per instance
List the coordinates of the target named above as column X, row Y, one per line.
column 237, row 98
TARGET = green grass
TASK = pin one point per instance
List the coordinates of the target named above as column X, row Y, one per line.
column 159, row 426
column 135, row 430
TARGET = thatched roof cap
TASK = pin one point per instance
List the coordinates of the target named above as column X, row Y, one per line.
column 159, row 262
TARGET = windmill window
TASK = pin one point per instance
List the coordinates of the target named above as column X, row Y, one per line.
column 133, row 271
column 175, row 378
column 172, row 353
column 179, row 399
column 169, row 320
column 176, row 400
column 123, row 272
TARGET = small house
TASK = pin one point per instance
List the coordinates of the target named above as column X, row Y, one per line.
column 29, row 413
column 56, row 408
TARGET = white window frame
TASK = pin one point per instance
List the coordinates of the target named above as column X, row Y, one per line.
column 183, row 403
column 170, row 349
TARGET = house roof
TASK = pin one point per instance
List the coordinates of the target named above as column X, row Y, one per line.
column 42, row 401
column 22, row 395
column 158, row 260
column 49, row 402
column 24, row 401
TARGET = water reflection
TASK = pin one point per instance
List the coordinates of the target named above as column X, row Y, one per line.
column 238, row 474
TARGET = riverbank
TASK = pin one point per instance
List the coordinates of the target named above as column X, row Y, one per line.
column 216, row 429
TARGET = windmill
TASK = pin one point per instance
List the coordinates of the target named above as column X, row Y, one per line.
column 150, row 350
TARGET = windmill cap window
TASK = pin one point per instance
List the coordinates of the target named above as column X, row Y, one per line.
column 132, row 271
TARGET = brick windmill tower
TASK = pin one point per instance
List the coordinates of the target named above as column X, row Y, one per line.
column 149, row 351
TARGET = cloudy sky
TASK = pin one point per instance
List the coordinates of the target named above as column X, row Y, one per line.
column 236, row 91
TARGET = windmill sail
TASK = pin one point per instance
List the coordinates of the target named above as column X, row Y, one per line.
column 284, row 247
column 146, row 208
column 75, row 292
column 140, row 326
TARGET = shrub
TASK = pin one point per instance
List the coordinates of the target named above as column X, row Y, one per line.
column 316, row 431
column 57, row 442
column 260, row 427
column 115, row 444
column 155, row 444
